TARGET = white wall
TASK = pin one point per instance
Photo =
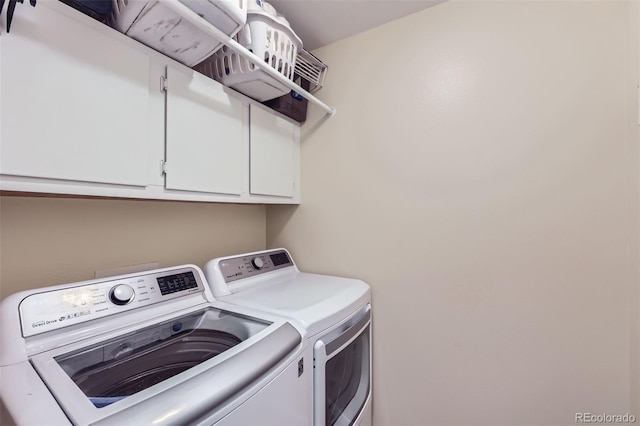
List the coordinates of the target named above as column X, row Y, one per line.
column 481, row 173
column 47, row 241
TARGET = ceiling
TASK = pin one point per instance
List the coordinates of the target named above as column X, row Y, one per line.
column 321, row 22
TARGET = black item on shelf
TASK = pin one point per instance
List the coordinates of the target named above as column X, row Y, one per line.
column 10, row 9
column 292, row 104
column 99, row 10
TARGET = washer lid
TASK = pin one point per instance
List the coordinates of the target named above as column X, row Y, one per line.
column 315, row 301
column 115, row 369
column 173, row 372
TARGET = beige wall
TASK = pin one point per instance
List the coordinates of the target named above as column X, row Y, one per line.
column 481, row 173
column 633, row 158
column 47, row 241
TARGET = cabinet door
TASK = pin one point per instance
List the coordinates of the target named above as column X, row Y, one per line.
column 272, row 154
column 74, row 102
column 204, row 135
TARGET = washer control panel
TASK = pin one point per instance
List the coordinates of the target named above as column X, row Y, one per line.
column 50, row 310
column 237, row 268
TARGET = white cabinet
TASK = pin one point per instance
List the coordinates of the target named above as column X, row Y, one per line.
column 204, row 135
column 273, row 151
column 82, row 112
column 73, row 104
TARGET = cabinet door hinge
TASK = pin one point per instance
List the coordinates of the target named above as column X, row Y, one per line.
column 164, row 83
column 163, row 167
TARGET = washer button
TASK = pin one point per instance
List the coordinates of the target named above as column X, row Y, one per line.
column 121, row 294
column 257, row 263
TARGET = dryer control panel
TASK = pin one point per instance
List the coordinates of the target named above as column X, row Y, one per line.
column 237, row 268
column 62, row 307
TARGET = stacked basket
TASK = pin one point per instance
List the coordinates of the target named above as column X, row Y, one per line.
column 154, row 24
column 268, row 36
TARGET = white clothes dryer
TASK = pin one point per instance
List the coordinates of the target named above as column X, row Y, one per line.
column 148, row 348
column 335, row 312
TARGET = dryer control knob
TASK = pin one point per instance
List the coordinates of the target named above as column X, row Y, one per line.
column 257, row 262
column 121, row 294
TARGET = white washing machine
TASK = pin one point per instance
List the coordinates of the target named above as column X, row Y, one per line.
column 148, row 348
column 335, row 312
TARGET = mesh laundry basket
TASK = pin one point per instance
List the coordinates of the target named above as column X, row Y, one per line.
column 271, row 39
column 154, row 24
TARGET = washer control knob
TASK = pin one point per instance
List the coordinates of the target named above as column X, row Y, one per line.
column 257, row 263
column 121, row 294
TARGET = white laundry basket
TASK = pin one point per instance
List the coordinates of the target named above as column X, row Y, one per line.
column 271, row 39
column 152, row 23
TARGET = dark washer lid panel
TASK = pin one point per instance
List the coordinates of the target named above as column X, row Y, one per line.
column 152, row 365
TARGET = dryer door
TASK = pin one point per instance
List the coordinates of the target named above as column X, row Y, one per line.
column 343, row 372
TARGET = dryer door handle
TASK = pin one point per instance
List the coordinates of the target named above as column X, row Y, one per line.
column 349, row 334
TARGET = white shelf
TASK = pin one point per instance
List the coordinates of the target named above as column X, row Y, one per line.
column 205, row 26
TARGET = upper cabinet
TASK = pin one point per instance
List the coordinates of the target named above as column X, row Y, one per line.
column 87, row 111
column 74, row 103
column 204, row 135
column 273, row 153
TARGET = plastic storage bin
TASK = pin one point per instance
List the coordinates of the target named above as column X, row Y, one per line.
column 271, row 39
column 292, row 104
column 157, row 26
